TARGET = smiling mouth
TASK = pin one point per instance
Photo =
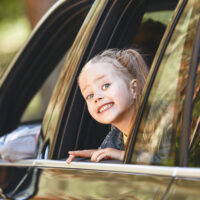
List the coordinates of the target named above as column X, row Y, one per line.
column 105, row 107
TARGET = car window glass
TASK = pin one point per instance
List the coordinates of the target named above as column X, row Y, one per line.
column 37, row 106
column 150, row 33
column 194, row 146
column 157, row 140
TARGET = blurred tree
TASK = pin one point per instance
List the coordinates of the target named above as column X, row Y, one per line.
column 14, row 29
column 16, row 16
column 10, row 9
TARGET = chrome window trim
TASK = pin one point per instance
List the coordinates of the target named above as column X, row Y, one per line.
column 183, row 172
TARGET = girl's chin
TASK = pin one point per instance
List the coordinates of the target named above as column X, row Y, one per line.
column 106, row 121
column 107, row 117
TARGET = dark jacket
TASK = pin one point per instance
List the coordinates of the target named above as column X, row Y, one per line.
column 114, row 139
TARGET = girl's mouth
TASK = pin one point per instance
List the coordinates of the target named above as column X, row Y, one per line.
column 105, row 107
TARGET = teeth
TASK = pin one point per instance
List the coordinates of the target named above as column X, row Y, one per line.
column 105, row 107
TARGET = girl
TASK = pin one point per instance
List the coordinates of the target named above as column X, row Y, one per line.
column 112, row 84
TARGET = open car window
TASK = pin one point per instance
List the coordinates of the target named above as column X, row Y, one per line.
column 77, row 129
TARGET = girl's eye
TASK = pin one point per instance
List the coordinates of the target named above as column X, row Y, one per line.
column 89, row 96
column 105, row 86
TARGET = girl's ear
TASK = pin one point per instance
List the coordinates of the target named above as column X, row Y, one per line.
column 133, row 85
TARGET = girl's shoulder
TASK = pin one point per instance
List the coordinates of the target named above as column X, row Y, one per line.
column 114, row 139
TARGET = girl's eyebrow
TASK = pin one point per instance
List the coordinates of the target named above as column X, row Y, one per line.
column 96, row 79
column 100, row 77
column 85, row 88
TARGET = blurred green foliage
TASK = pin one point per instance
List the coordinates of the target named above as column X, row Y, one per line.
column 14, row 30
column 11, row 9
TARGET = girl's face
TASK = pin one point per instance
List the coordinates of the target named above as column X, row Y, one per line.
column 109, row 97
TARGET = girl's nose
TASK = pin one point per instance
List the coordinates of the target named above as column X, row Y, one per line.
column 98, row 98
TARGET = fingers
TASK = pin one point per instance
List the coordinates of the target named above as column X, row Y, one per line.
column 70, row 158
column 96, row 155
column 81, row 153
column 107, row 153
column 102, row 154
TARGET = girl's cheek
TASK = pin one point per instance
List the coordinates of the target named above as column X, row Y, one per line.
column 117, row 93
column 91, row 110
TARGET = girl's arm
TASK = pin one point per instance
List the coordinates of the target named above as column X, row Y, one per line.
column 96, row 154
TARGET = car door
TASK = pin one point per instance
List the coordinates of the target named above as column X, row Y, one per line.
column 67, row 124
column 40, row 57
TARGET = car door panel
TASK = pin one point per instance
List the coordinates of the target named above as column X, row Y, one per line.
column 86, row 180
column 184, row 189
column 82, row 184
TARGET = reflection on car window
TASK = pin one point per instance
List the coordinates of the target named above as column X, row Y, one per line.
column 159, row 131
column 194, row 154
column 38, row 104
column 150, row 33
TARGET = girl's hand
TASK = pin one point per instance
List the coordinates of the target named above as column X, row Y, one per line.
column 96, row 154
column 107, row 154
column 81, row 153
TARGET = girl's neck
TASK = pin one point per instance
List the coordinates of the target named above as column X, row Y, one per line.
column 124, row 129
column 125, row 125
column 125, row 121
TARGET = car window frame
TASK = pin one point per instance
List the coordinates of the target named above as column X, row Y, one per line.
column 188, row 105
column 173, row 172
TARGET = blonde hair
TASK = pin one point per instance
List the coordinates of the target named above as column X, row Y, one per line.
column 127, row 61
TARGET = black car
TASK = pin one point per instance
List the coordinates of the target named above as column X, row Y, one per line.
column 162, row 158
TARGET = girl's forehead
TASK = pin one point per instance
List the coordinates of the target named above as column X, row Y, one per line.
column 98, row 69
column 93, row 72
column 95, row 66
